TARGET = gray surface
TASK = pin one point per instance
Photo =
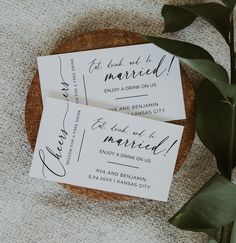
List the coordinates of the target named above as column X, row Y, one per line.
column 38, row 211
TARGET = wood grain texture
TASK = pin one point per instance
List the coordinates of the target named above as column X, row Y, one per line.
column 96, row 40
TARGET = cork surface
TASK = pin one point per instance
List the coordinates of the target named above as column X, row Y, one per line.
column 103, row 39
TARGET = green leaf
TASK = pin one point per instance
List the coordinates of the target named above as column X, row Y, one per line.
column 206, row 211
column 215, row 125
column 196, row 57
column 180, row 48
column 212, row 71
column 178, row 17
column 229, row 3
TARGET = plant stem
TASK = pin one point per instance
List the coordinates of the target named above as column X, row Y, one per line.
column 226, row 230
column 226, row 233
column 231, row 142
column 232, row 54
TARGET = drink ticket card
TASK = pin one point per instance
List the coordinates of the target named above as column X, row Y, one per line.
column 141, row 80
column 105, row 150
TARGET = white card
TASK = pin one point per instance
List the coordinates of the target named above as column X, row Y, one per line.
column 105, row 150
column 141, row 80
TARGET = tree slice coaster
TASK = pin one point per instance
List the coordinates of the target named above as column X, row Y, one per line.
column 103, row 39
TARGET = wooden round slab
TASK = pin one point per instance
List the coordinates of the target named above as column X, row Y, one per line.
column 103, row 39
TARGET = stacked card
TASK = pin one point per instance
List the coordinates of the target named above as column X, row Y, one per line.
column 85, row 140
